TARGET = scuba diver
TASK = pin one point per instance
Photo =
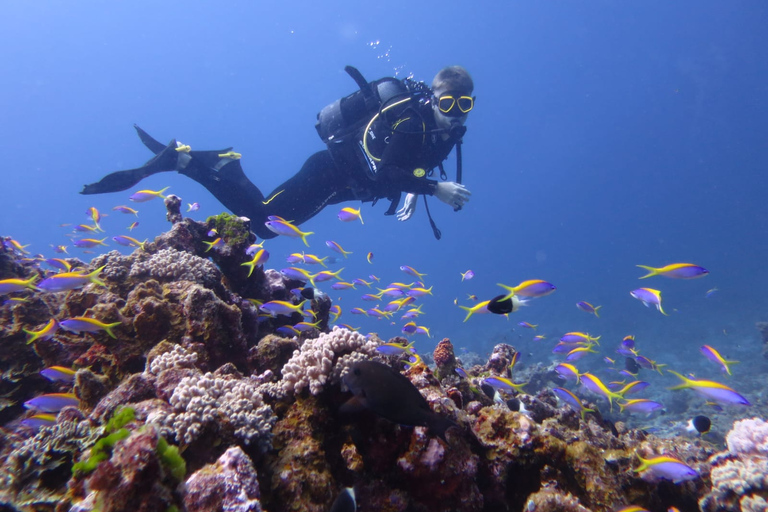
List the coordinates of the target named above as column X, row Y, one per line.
column 382, row 140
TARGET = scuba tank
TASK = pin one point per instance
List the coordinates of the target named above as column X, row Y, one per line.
column 347, row 116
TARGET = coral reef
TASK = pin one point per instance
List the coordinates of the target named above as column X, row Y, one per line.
column 740, row 474
column 198, row 404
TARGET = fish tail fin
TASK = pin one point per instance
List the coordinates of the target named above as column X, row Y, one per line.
column 305, row 235
column 469, row 312
column 596, row 313
column 661, row 310
column 510, row 289
column 643, row 464
column 651, row 271
column 108, row 328
column 94, row 276
column 685, row 384
column 584, row 411
column 160, row 192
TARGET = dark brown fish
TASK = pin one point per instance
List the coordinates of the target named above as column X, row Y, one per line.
column 391, row 395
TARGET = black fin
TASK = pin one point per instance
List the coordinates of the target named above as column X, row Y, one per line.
column 164, row 161
column 153, row 145
column 438, row 424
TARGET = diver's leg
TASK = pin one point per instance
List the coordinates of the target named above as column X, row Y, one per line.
column 318, row 184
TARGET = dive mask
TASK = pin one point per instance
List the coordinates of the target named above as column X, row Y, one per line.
column 455, row 106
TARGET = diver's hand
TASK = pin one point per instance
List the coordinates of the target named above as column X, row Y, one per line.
column 409, row 206
column 453, row 194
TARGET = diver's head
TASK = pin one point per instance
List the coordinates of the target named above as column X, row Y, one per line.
column 452, row 87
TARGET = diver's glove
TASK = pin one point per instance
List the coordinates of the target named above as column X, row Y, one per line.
column 409, row 206
column 451, row 193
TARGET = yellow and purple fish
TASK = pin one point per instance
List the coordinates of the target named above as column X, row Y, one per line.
column 83, row 228
column 337, row 248
column 533, row 288
column 133, row 226
column 279, row 307
column 588, row 308
column 648, row 296
column 285, row 228
column 143, row 196
column 466, row 276
column 60, row 249
column 59, row 374
column 595, row 385
column 395, row 349
column 11, row 243
column 60, row 264
column 572, row 400
column 85, row 324
column 503, row 383
column 419, row 292
column 126, row 209
column 527, row 325
column 568, row 372
column 193, row 207
column 127, row 241
column 326, row 275
column 71, row 281
column 87, row 243
column 711, row 390
column 579, row 352
column 676, row 271
column 216, row 244
column 335, row 311
column 37, row 421
column 667, row 468
column 52, row 402
column 260, row 258
column 579, row 337
column 369, row 257
column 348, row 214
column 640, row 405
column 713, row 355
column 411, row 271
column 16, row 285
column 343, row 285
column 45, row 333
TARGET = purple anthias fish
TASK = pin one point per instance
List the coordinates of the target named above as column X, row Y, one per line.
column 567, row 372
column 711, row 390
column 648, row 296
column 53, row 402
column 588, row 308
column 572, row 401
column 39, row 420
column 641, row 406
column 667, row 468
column 295, row 273
column 70, row 281
column 370, row 297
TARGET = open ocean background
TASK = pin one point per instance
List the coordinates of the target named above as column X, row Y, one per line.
column 605, row 135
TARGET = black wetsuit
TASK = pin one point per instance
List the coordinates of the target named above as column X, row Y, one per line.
column 408, row 143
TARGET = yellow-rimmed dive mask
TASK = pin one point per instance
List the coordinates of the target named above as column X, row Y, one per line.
column 454, row 105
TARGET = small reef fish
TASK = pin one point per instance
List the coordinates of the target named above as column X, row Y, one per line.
column 335, row 311
column 299, row 274
column 126, row 209
column 640, row 405
column 288, row 330
column 216, row 244
column 60, row 264
column 52, row 402
column 503, row 383
column 711, row 390
column 533, row 288
column 230, row 154
column 11, row 243
column 45, row 333
column 461, row 372
column 466, row 276
column 285, row 228
column 395, row 349
column 419, row 292
column 369, row 257
column 700, row 424
column 579, row 352
column 87, row 243
column 254, row 248
column 711, row 292
column 667, row 468
column 572, row 400
column 391, row 395
column 568, row 372
column 127, row 241
column 362, row 282
column 279, row 307
column 358, row 311
column 713, row 355
column 133, row 226
column 348, row 214
column 337, row 248
column 17, row 285
column 479, row 308
column 412, row 271
column 648, row 296
column 596, row 386
column 649, row 364
column 59, row 374
column 676, row 271
column 84, row 324
column 37, row 421
column 343, row 285
column 306, row 326
column 527, row 325
column 71, row 281
column 633, row 387
column 143, row 196
column 260, row 258
column 588, row 308
column 94, row 214
column 60, row 249
column 326, row 275
column 83, row 228
column 193, row 207
column 539, row 337
column 502, row 305
column 420, row 329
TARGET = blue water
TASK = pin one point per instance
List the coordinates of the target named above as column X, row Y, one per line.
column 605, row 135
